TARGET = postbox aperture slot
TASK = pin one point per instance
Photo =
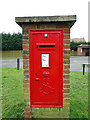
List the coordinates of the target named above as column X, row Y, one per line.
column 45, row 44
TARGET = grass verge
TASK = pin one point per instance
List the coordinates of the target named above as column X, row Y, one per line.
column 12, row 93
column 78, row 95
column 13, row 98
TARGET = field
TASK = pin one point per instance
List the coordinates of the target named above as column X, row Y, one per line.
column 13, row 101
column 18, row 54
column 11, row 54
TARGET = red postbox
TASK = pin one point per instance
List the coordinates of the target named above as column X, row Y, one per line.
column 44, row 58
column 46, row 67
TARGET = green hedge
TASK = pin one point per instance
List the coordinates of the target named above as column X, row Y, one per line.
column 11, row 42
column 14, row 42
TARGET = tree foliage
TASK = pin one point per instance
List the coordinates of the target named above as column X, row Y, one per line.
column 14, row 42
column 11, row 42
column 74, row 45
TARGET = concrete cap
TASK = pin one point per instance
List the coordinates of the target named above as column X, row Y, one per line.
column 69, row 19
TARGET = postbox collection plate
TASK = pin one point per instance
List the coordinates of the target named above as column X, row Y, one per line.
column 46, row 67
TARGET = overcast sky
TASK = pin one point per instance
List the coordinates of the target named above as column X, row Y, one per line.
column 9, row 9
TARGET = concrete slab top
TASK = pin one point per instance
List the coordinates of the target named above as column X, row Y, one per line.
column 70, row 19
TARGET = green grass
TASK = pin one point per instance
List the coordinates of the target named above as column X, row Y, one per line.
column 78, row 95
column 73, row 53
column 12, row 92
column 13, row 101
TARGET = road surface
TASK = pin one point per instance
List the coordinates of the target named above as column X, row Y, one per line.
column 75, row 63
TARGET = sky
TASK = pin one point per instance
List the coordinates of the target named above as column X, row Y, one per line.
column 9, row 9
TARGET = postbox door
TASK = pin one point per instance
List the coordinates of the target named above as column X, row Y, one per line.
column 46, row 68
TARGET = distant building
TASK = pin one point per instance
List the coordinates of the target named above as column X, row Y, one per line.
column 83, row 49
column 77, row 40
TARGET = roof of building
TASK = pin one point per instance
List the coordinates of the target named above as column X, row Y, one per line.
column 77, row 39
column 84, row 46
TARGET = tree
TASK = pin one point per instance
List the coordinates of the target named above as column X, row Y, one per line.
column 74, row 45
column 11, row 42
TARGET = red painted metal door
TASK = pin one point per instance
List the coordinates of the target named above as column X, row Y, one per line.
column 46, row 68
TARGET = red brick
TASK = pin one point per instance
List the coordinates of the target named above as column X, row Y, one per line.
column 26, row 51
column 25, row 47
column 26, row 80
column 25, row 66
column 25, row 36
column 66, row 46
column 66, row 81
column 66, row 36
column 66, row 76
column 47, row 26
column 25, row 31
column 26, row 76
column 26, row 100
column 66, row 100
column 27, row 116
column 66, row 41
column 66, row 51
column 67, row 56
column 66, row 30
column 26, row 107
column 28, row 26
column 26, row 96
column 33, row 27
column 26, row 71
column 66, row 91
column 62, row 26
column 25, row 26
column 66, row 105
column 66, row 95
column 26, row 90
column 25, row 41
column 25, row 61
column 26, row 85
column 38, row 26
column 25, row 56
column 27, row 113
column 66, row 66
column 66, row 86
column 66, row 61
column 66, row 71
column 27, row 110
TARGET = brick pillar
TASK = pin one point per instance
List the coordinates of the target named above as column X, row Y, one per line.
column 53, row 112
column 37, row 112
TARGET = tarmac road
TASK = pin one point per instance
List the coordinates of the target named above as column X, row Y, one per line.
column 75, row 63
column 10, row 63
